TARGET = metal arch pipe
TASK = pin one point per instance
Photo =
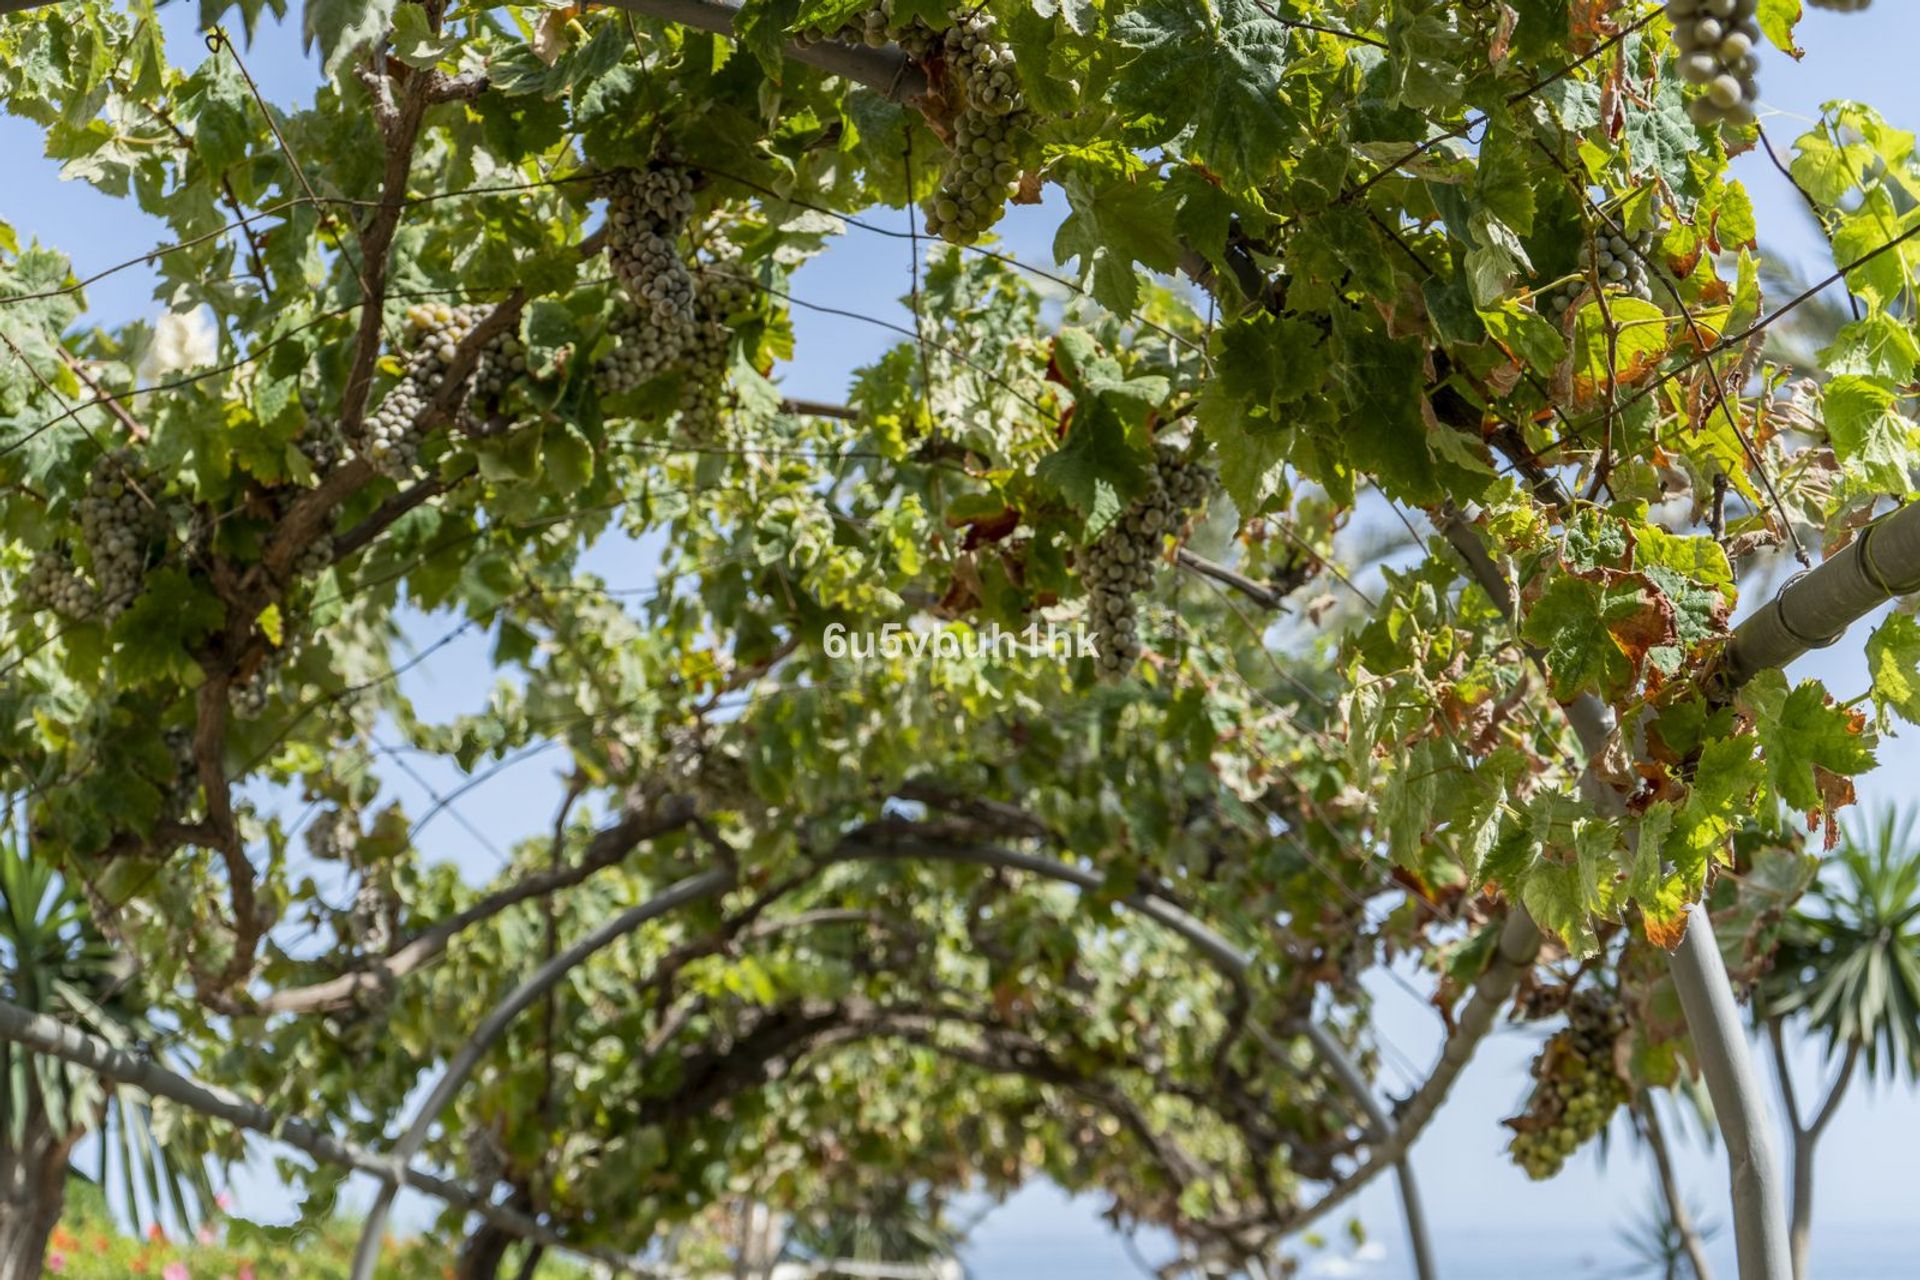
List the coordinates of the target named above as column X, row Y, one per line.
column 692, row 889
column 56, row 1039
column 1411, row 1209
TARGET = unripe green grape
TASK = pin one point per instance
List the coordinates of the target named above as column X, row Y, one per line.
column 1716, row 40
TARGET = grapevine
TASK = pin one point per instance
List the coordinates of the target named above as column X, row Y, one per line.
column 1119, row 565
column 1576, row 1087
column 1716, row 40
column 1841, row 6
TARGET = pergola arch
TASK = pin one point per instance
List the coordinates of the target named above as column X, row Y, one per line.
column 887, row 842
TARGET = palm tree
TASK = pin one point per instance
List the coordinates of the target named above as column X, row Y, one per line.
column 1662, row 1247
column 1848, row 966
column 902, row 1227
column 53, row 961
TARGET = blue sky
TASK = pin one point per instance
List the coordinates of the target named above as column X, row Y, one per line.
column 1470, row 1187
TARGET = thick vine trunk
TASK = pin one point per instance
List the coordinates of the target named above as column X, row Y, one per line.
column 33, row 1189
column 482, row 1253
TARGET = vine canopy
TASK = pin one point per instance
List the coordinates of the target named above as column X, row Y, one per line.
column 506, row 307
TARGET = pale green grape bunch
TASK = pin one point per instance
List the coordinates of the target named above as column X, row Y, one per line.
column 319, row 442
column 984, row 65
column 876, row 27
column 724, row 286
column 315, row 558
column 703, row 381
column 649, row 343
column 251, row 697
column 1576, row 1087
column 1717, row 39
column 1622, row 263
column 644, row 347
column 646, row 213
column 332, row 835
column 983, row 166
column 120, row 527
column 391, row 436
column 1119, row 565
column 371, row 918
column 52, row 583
column 981, row 171
column 183, row 791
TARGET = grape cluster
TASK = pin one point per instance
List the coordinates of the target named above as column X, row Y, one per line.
column 1576, row 1088
column 722, row 284
column 184, row 792
column 646, row 213
column 332, row 835
column 249, row 697
column 874, row 27
column 371, row 918
column 983, row 163
column 315, row 558
column 644, row 348
column 697, row 764
column 651, row 341
column 723, row 291
column 1119, row 564
column 53, row 583
column 391, row 436
column 983, row 166
column 980, row 173
column 321, row 445
column 983, row 64
column 1619, row 261
column 486, row 1162
column 1843, row 6
column 119, row 525
column 1716, row 40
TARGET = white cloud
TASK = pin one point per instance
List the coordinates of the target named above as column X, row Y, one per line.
column 182, row 340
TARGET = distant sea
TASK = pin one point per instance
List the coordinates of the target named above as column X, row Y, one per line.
column 1493, row 1253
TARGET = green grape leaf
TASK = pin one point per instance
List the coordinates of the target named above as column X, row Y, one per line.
column 1597, row 630
column 1386, row 431
column 1112, row 227
column 159, row 630
column 1777, row 20
column 1893, row 660
column 1213, row 68
column 1803, row 735
column 1875, row 346
column 1876, row 441
column 343, row 27
column 1099, row 467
